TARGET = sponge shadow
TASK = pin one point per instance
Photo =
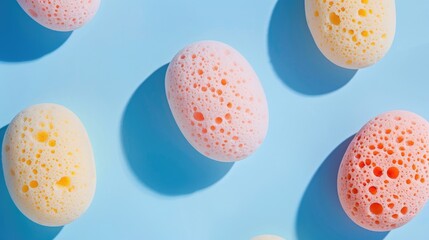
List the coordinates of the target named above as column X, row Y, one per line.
column 320, row 215
column 23, row 39
column 156, row 150
column 295, row 57
column 13, row 224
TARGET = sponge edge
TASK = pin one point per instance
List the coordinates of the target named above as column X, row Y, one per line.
column 352, row 34
column 61, row 15
column 383, row 178
column 217, row 101
column 48, row 164
column 267, row 237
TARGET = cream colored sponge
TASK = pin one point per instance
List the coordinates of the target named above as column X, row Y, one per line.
column 48, row 164
column 352, row 34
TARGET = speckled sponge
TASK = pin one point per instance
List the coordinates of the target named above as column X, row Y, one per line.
column 217, row 101
column 383, row 181
column 61, row 15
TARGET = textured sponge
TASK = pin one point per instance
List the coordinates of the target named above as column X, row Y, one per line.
column 383, row 180
column 217, row 101
column 352, row 34
column 48, row 164
column 61, row 15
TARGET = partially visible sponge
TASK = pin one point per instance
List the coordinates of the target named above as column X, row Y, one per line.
column 267, row 237
column 61, row 15
column 383, row 181
column 352, row 34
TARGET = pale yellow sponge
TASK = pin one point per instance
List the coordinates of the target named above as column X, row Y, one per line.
column 48, row 164
column 352, row 33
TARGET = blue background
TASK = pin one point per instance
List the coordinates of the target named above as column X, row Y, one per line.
column 151, row 183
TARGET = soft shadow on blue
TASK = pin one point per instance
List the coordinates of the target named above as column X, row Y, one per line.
column 156, row 150
column 23, row 39
column 320, row 215
column 13, row 224
column 294, row 54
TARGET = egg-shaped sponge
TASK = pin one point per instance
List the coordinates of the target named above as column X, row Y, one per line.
column 48, row 164
column 383, row 180
column 352, row 34
column 217, row 100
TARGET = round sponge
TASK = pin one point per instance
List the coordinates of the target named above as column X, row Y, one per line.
column 383, row 180
column 217, row 101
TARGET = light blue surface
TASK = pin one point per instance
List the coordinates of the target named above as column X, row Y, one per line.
column 151, row 183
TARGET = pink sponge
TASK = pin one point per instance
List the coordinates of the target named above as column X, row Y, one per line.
column 61, row 15
column 217, row 101
column 383, row 180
